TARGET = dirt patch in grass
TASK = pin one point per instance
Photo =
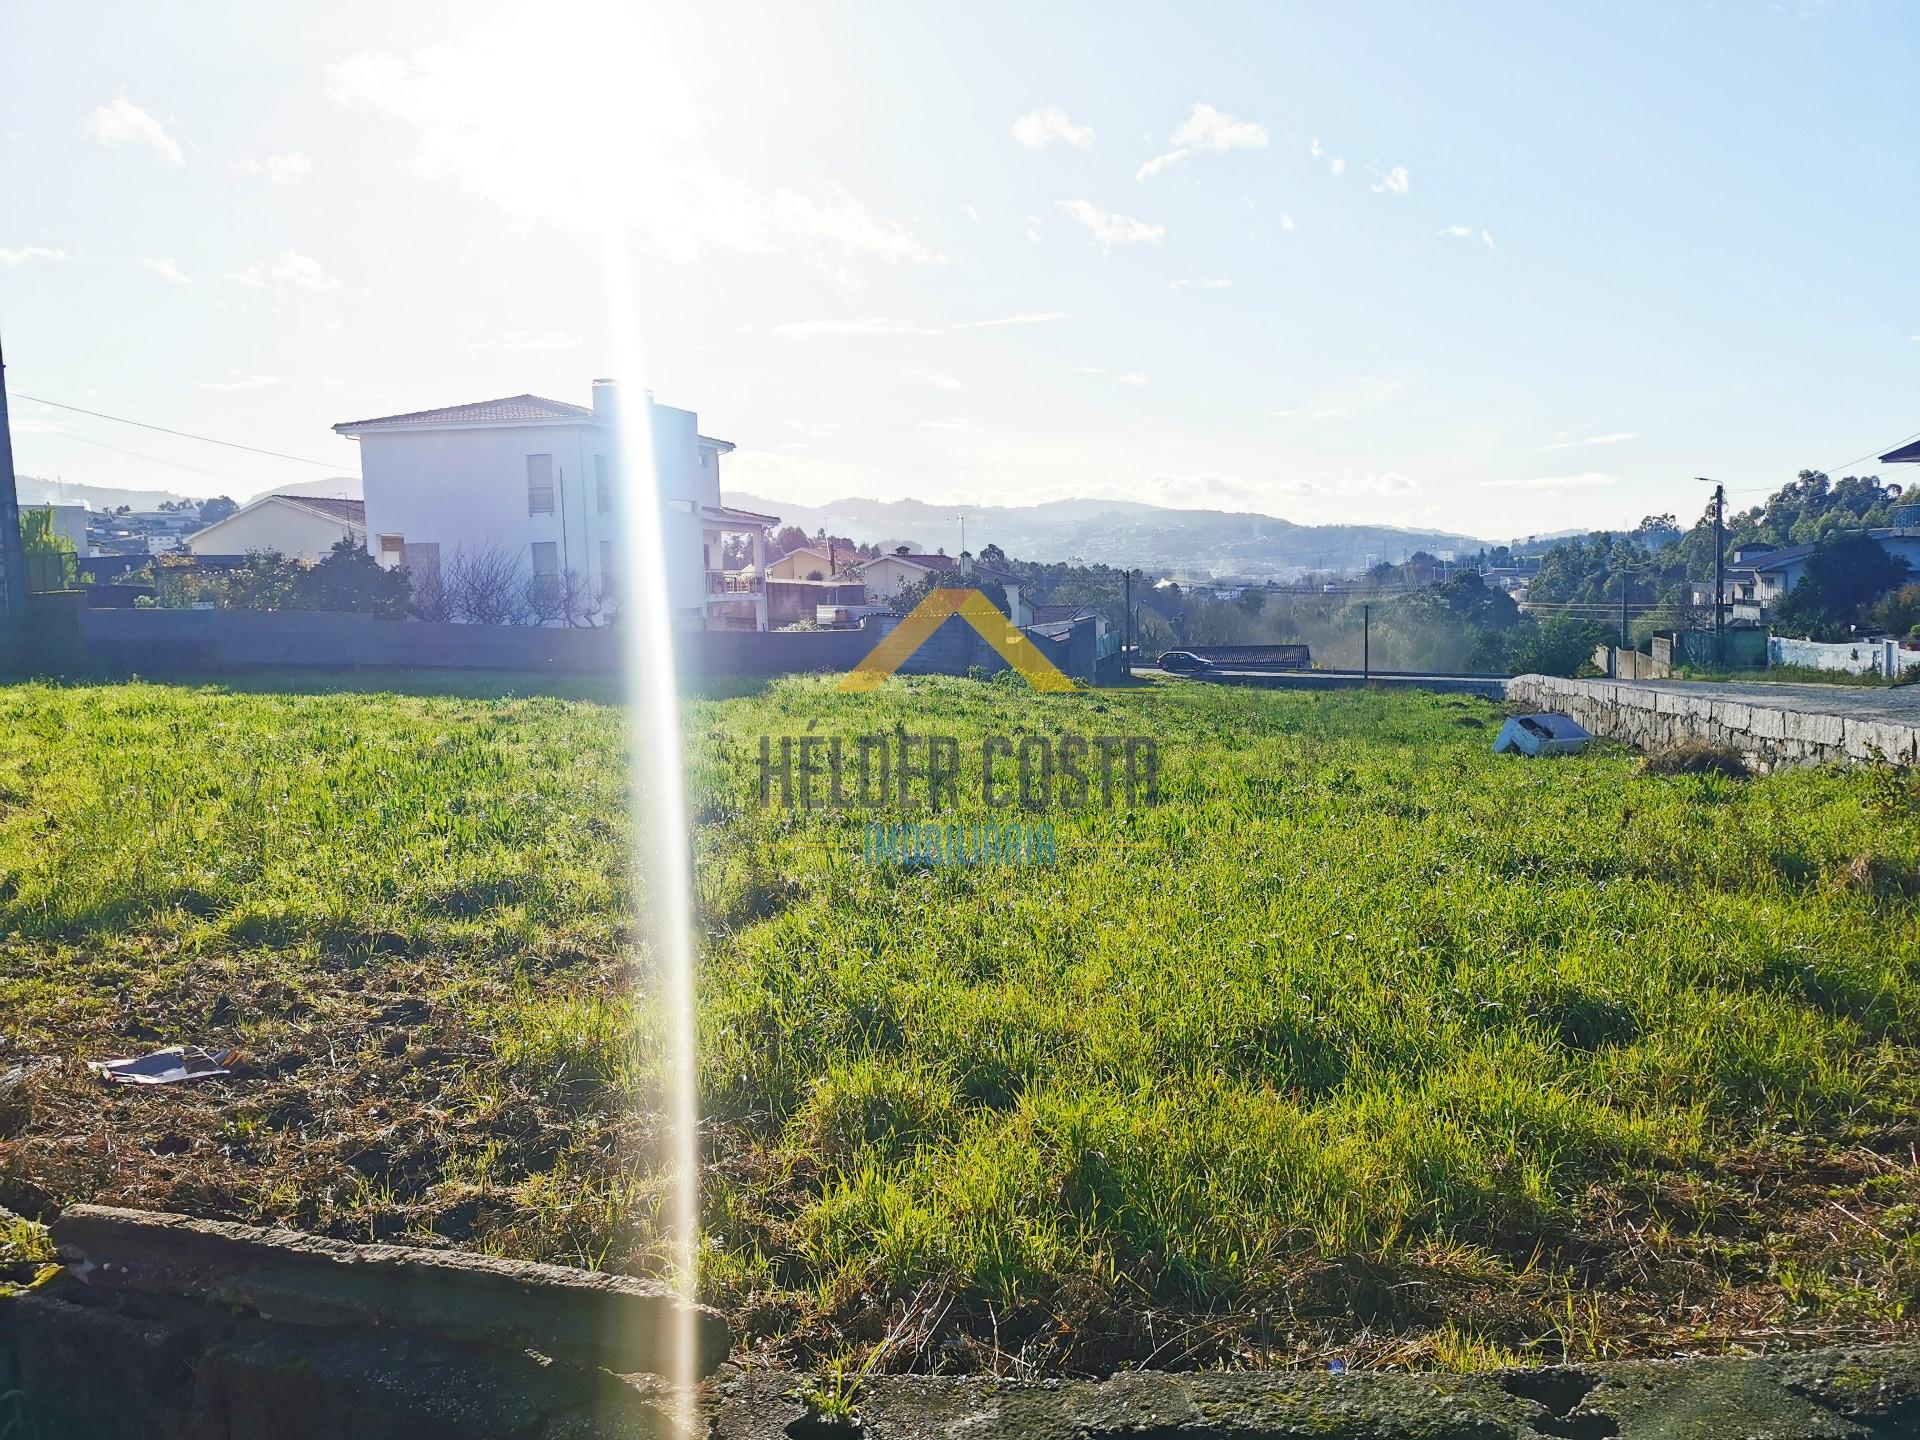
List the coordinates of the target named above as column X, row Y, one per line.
column 1697, row 757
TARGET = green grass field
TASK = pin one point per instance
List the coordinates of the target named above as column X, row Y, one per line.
column 1363, row 1042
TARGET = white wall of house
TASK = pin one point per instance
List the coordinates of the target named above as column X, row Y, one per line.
column 273, row 524
column 547, row 492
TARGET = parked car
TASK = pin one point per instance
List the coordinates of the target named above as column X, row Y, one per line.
column 1184, row 662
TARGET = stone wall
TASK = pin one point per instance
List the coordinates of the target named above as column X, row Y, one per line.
column 1771, row 735
column 158, row 1327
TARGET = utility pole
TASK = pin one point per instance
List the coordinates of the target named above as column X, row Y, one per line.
column 1129, row 624
column 1366, row 641
column 962, row 518
column 13, row 560
column 1623, row 609
column 1719, row 571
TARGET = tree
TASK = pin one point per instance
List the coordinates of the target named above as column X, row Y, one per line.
column 484, row 586
column 1844, row 576
column 789, row 539
column 350, row 579
column 216, row 509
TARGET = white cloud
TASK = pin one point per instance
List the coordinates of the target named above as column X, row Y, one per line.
column 1134, row 377
column 1110, row 229
column 163, row 266
column 1031, row 317
column 1343, row 400
column 818, row 429
column 1184, row 282
column 955, row 423
column 871, row 325
column 1613, row 438
column 514, row 342
column 288, row 169
column 1039, row 128
column 1395, row 182
column 252, row 382
column 1465, row 232
column 1313, row 149
column 939, row 379
column 1207, row 130
column 1033, row 227
column 10, row 258
column 971, row 213
column 883, row 325
column 1286, row 221
column 612, row 145
column 1585, row 480
column 1339, row 167
column 1391, row 482
column 125, row 123
column 1158, row 163
column 292, row 271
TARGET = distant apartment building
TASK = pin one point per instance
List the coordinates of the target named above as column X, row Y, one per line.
column 539, row 482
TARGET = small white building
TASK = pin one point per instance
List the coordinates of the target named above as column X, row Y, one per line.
column 301, row 527
column 70, row 521
column 538, row 482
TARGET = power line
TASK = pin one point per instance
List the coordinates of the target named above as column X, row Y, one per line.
column 1873, row 454
column 155, row 459
column 183, row 434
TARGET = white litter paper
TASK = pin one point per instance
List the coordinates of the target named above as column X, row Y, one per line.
column 164, row 1067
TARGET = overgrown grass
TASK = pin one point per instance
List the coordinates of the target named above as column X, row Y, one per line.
column 1362, row 1041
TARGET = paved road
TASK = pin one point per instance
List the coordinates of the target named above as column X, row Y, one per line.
column 1491, row 686
column 1900, row 703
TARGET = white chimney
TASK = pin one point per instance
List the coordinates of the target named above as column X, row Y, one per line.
column 605, row 398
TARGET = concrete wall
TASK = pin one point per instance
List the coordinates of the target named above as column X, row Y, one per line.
column 157, row 642
column 1770, row 735
column 1630, row 664
column 1857, row 657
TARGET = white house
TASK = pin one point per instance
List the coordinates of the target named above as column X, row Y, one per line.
column 301, row 527
column 538, row 482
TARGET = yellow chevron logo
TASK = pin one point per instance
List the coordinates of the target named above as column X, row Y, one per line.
column 971, row 606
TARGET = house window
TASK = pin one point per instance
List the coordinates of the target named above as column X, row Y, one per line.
column 393, row 550
column 540, row 484
column 602, row 486
column 546, row 559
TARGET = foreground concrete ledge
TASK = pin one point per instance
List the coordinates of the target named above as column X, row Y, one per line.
column 1870, row 1393
column 291, row 1278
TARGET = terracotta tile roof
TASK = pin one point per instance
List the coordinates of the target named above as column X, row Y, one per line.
column 354, row 512
column 482, row 412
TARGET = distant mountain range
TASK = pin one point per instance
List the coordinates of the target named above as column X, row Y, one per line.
column 1120, row 533
column 38, row 490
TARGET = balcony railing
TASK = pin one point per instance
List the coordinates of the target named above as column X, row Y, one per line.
column 721, row 583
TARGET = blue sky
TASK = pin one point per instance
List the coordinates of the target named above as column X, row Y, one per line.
column 1503, row 269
